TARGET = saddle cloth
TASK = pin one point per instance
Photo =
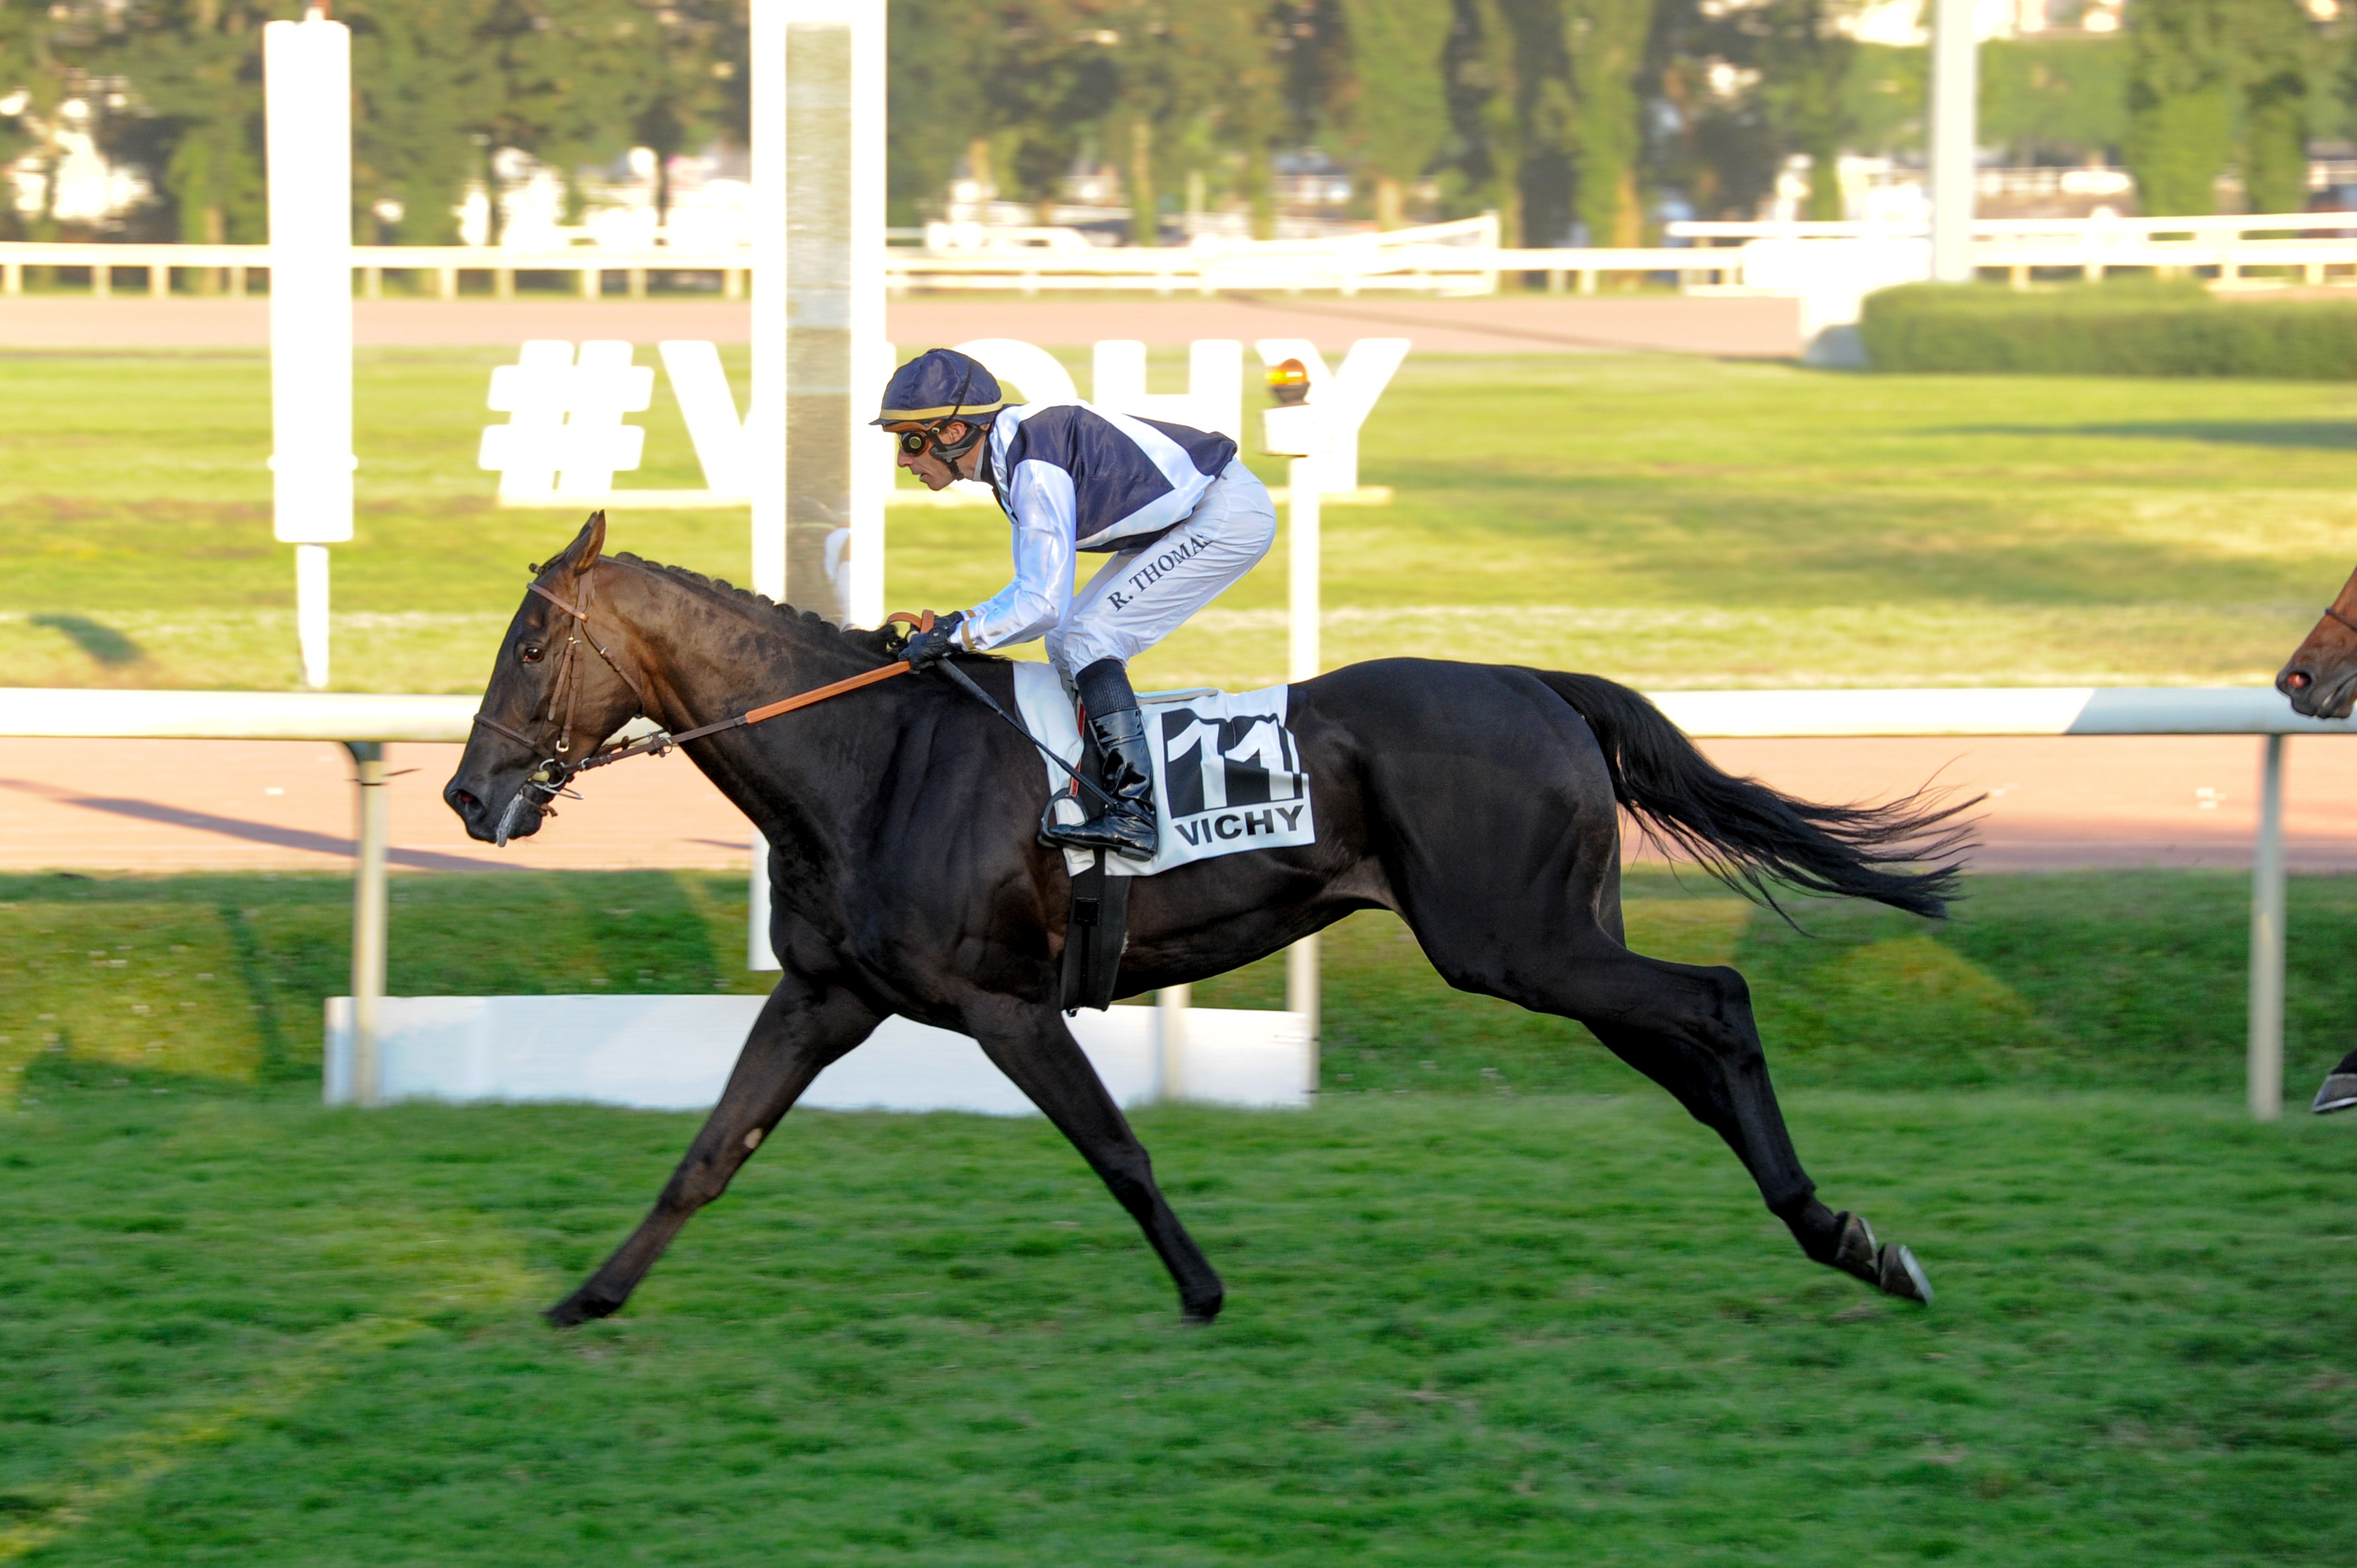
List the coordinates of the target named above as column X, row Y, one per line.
column 1227, row 774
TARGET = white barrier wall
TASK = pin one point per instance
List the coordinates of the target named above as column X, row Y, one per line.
column 673, row 1053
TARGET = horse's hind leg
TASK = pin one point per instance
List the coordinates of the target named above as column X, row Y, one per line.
column 800, row 1029
column 1690, row 1030
column 1033, row 1048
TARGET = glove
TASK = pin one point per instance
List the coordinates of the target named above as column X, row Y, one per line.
column 926, row 649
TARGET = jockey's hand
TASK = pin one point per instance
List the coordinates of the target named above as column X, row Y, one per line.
column 925, row 648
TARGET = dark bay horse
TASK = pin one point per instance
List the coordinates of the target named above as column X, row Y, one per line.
column 2320, row 678
column 1477, row 802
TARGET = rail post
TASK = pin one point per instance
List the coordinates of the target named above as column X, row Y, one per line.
column 1170, row 1004
column 369, row 915
column 2265, row 1065
column 1303, row 552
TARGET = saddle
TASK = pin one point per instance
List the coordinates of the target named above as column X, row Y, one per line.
column 1228, row 780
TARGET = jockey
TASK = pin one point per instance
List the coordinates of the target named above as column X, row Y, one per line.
column 1177, row 515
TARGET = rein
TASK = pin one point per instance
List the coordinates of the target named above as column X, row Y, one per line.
column 549, row 780
column 554, row 774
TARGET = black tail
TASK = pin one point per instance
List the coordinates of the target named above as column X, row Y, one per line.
column 1747, row 835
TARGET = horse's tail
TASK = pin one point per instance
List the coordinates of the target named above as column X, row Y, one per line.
column 1749, row 835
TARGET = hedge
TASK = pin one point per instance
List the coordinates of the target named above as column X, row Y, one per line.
column 2108, row 329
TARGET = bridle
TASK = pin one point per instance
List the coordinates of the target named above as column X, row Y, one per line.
column 550, row 778
column 555, row 772
column 2335, row 615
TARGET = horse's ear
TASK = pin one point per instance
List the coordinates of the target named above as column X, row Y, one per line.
column 586, row 546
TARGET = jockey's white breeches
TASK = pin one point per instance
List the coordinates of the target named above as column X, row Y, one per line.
column 1140, row 597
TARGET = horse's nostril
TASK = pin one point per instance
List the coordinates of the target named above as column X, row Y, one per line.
column 2298, row 681
column 464, row 802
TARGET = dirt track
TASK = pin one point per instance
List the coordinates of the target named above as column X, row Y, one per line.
column 165, row 806
column 1741, row 328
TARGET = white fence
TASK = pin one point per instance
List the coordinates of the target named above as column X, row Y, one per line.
column 2306, row 247
column 234, row 266
column 1450, row 259
column 364, row 720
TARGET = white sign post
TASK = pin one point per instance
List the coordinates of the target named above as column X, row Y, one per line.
column 306, row 71
column 818, row 324
column 1305, row 433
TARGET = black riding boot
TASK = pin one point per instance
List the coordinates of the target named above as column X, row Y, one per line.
column 1124, row 770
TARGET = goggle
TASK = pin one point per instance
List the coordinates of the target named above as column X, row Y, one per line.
column 913, row 442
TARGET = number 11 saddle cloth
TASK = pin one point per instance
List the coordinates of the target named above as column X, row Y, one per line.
column 1227, row 773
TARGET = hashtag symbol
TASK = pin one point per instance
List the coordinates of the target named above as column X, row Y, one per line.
column 564, row 434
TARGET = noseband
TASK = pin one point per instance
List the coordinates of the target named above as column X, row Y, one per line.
column 2343, row 620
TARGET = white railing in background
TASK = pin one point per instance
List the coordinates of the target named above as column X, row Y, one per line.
column 2310, row 244
column 2207, row 226
column 364, row 720
column 234, row 266
column 1449, row 259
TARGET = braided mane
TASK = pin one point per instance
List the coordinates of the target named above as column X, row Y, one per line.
column 881, row 643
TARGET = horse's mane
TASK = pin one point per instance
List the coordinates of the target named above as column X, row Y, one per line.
column 881, row 643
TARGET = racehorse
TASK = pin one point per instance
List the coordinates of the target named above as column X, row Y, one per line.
column 2320, row 678
column 1479, row 803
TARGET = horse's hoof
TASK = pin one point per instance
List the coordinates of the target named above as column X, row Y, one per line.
column 1854, row 1249
column 1200, row 1314
column 1898, row 1274
column 2339, row 1093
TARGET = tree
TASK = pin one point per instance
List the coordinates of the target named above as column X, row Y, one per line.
column 1184, row 70
column 2278, row 44
column 578, row 81
column 32, row 83
column 2180, row 101
column 2214, row 82
column 1711, row 139
column 418, row 87
column 1803, row 67
column 1394, row 108
column 194, row 67
column 1605, row 44
column 2059, row 97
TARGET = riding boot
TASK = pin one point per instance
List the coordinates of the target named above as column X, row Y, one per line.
column 1125, row 772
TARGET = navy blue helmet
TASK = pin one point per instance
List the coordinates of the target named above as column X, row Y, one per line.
column 937, row 385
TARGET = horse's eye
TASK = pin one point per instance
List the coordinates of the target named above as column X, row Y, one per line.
column 530, row 652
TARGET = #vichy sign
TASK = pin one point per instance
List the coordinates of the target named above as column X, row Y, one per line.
column 565, row 437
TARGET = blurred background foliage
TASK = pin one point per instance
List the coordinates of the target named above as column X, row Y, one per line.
column 1576, row 120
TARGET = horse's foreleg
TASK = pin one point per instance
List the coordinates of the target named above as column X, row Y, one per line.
column 1691, row 1031
column 800, row 1030
column 1046, row 1063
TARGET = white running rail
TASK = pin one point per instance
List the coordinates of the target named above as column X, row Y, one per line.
column 364, row 720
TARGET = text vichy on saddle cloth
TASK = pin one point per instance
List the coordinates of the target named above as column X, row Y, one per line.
column 1227, row 774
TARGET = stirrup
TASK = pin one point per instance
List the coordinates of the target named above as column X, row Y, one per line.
column 1104, row 832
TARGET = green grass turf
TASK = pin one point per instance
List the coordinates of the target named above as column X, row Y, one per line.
column 243, row 1329
column 1667, row 521
column 1495, row 1300
column 2115, row 980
